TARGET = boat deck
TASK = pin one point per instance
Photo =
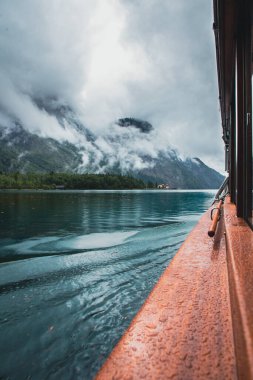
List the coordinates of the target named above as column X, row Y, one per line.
column 184, row 329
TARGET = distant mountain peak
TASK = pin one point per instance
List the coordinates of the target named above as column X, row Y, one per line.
column 198, row 160
column 142, row 125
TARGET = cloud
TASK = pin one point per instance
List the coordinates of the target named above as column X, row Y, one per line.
column 150, row 59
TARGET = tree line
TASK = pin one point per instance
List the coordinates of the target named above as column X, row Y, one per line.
column 70, row 181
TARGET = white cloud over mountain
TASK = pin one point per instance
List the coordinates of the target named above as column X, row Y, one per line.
column 150, row 59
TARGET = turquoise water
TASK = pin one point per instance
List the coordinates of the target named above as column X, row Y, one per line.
column 76, row 266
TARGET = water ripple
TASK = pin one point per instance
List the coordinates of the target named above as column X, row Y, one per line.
column 75, row 269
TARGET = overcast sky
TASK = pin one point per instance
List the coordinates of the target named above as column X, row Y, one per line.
column 150, row 59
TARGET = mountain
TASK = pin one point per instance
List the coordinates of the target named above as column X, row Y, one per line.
column 143, row 126
column 26, row 152
column 183, row 174
column 127, row 149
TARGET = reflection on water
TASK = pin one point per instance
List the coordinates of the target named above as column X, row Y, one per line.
column 76, row 267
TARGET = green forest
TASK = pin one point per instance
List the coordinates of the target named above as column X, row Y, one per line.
column 70, row 181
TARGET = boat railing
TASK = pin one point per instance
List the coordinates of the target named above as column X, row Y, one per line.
column 217, row 210
column 223, row 190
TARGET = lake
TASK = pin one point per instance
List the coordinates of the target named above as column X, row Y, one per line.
column 75, row 267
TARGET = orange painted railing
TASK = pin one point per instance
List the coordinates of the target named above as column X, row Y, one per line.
column 184, row 329
column 197, row 322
